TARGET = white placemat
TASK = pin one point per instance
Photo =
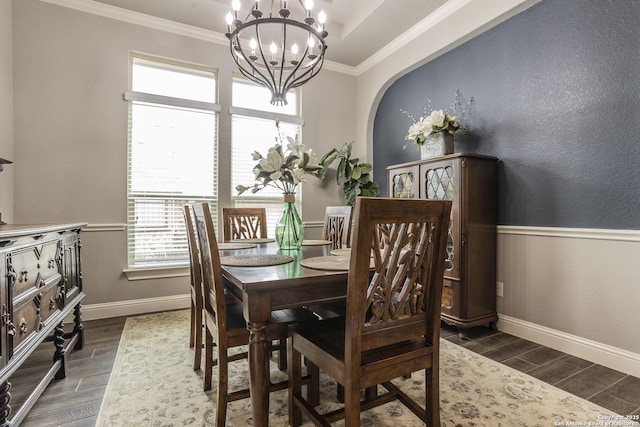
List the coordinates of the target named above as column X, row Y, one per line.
column 230, row 246
column 316, row 242
column 256, row 260
column 341, row 252
column 257, row 240
column 330, row 262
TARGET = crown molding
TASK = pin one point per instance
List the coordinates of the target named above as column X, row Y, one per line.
column 441, row 14
column 142, row 19
column 450, row 13
column 447, row 12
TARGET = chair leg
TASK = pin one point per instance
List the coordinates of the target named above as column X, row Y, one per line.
column 223, row 388
column 313, row 386
column 282, row 355
column 371, row 392
column 198, row 339
column 352, row 405
column 208, row 360
column 295, row 384
column 192, row 325
column 432, row 390
column 340, row 392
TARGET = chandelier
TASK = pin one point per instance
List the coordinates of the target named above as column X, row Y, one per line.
column 277, row 52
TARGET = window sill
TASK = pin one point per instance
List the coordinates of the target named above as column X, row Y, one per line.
column 146, row 273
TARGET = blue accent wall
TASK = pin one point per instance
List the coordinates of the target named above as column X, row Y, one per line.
column 556, row 97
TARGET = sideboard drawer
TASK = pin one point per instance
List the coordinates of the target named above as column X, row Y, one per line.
column 31, row 312
column 33, row 264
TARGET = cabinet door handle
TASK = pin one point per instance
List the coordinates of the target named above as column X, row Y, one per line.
column 23, row 326
column 11, row 330
column 5, row 243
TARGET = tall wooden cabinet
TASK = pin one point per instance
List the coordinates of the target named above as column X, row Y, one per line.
column 470, row 181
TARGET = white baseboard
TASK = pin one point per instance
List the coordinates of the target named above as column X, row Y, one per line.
column 602, row 354
column 134, row 307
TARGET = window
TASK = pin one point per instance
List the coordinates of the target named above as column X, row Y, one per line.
column 172, row 156
column 253, row 128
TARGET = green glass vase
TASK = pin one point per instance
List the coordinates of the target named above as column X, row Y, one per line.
column 289, row 230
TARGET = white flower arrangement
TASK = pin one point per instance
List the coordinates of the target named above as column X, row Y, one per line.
column 280, row 169
column 435, row 121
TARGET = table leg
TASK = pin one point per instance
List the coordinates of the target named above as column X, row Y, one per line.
column 259, row 376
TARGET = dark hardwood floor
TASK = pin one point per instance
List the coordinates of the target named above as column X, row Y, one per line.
column 75, row 400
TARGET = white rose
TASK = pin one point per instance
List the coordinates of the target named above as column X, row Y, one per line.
column 427, row 125
column 437, row 118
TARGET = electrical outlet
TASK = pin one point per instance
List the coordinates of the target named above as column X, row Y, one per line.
column 499, row 289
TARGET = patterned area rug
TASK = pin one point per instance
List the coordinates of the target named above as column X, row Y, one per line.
column 153, row 384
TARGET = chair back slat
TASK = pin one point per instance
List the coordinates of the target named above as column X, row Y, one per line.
column 337, row 226
column 194, row 253
column 212, row 284
column 399, row 299
column 244, row 223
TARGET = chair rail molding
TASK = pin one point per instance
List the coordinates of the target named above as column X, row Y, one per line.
column 574, row 233
column 92, row 227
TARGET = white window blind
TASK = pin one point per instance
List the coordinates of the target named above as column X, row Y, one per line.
column 172, row 158
column 254, row 129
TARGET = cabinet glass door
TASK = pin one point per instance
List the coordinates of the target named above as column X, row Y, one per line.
column 440, row 185
column 403, row 183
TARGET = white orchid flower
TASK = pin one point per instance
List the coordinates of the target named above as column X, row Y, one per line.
column 298, row 176
column 275, row 175
column 273, row 161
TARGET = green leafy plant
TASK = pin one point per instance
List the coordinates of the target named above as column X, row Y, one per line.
column 354, row 177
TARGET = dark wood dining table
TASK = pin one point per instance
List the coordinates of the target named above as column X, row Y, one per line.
column 267, row 288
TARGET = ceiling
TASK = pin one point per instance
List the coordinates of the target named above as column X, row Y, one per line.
column 357, row 28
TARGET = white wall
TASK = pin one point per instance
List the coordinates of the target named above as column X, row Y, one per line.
column 6, row 110
column 71, row 135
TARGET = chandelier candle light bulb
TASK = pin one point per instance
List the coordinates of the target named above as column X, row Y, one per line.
column 274, row 49
column 235, row 5
column 322, row 18
column 253, row 44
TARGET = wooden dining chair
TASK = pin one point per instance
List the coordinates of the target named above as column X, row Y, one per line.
column 392, row 324
column 337, row 226
column 225, row 326
column 195, row 324
column 244, row 223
